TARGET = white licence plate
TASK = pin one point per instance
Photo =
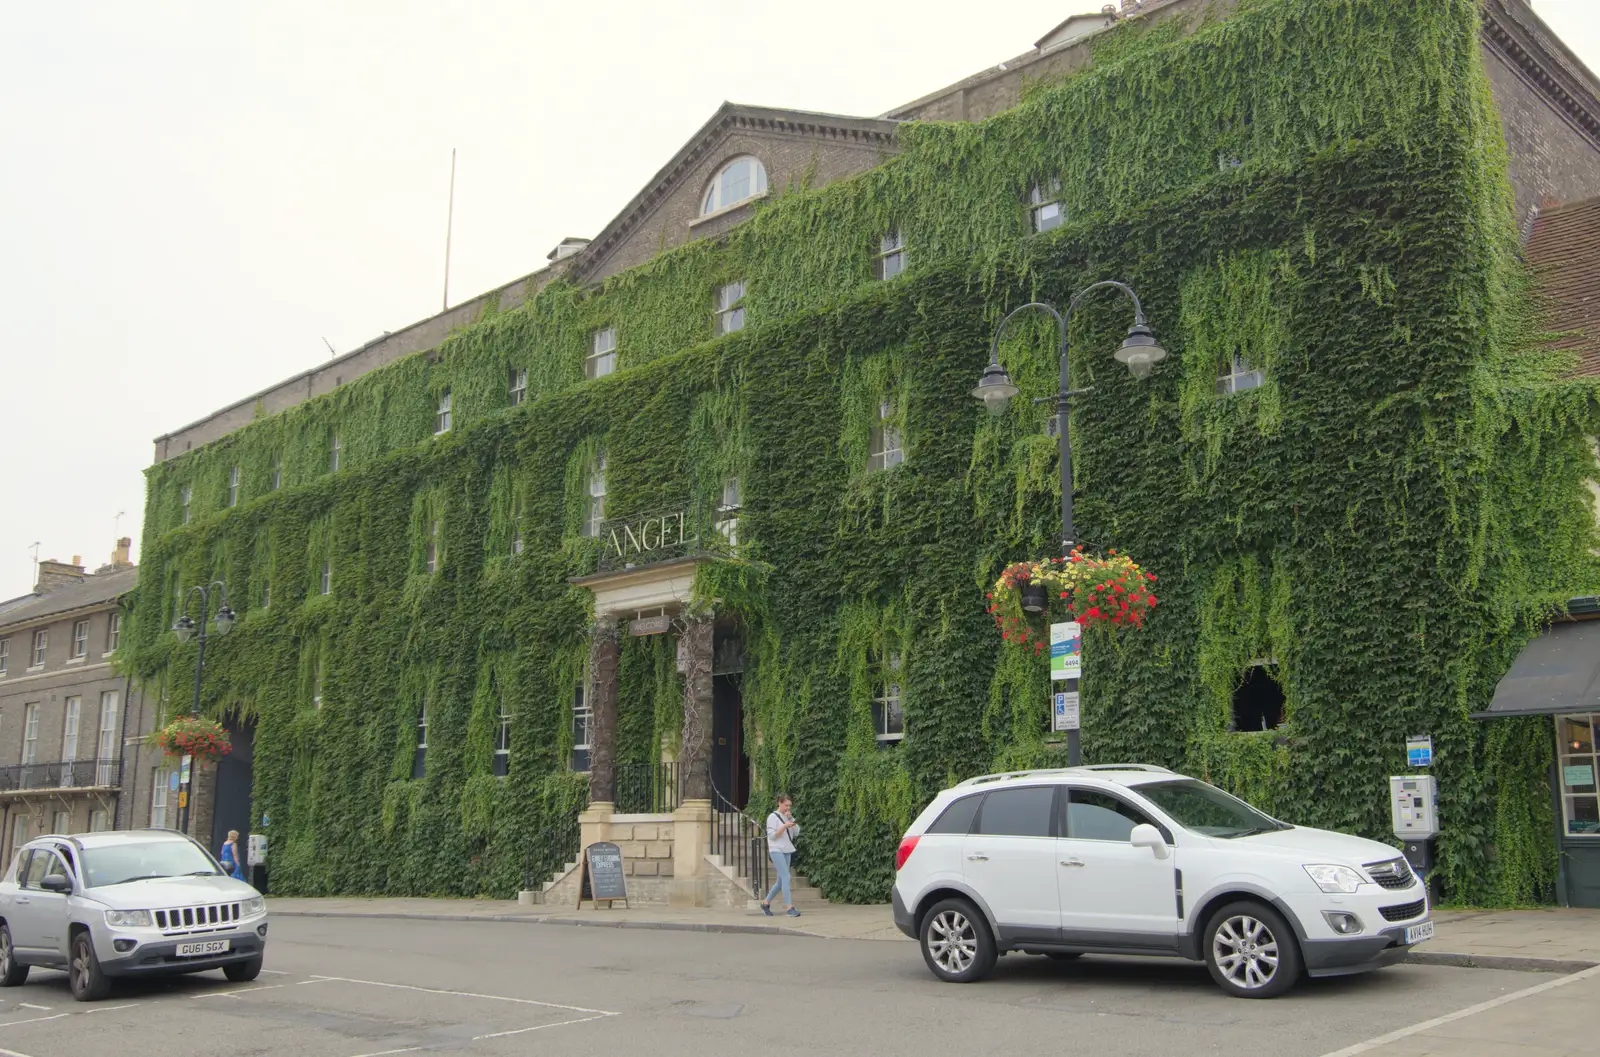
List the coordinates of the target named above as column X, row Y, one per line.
column 1418, row 933
column 190, row 950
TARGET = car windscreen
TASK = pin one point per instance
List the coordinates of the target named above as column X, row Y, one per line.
column 119, row 863
column 1206, row 809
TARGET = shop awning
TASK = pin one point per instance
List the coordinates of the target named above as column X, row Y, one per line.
column 1557, row 672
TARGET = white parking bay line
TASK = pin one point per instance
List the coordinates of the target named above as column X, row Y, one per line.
column 541, row 1027
column 1462, row 1014
column 471, row 994
column 12, row 1053
column 30, row 1005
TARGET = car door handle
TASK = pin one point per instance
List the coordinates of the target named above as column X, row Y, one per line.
column 23, row 901
column 977, row 858
column 1073, row 862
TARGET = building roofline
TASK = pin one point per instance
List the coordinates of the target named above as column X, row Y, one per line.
column 1516, row 33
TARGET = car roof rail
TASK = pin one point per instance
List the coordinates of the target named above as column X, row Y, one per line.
column 1126, row 767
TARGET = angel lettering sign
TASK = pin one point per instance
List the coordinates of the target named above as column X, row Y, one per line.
column 647, row 537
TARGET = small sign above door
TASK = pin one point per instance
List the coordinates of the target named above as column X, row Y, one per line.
column 655, row 625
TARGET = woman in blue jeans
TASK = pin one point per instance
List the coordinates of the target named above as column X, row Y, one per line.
column 781, row 832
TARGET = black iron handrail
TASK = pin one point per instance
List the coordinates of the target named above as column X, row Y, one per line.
column 740, row 843
column 60, row 774
column 551, row 849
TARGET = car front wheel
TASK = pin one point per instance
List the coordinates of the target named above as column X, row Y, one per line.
column 956, row 942
column 1251, row 951
column 11, row 973
column 243, row 972
column 89, row 984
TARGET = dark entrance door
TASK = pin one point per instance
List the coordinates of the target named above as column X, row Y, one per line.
column 234, row 774
column 730, row 769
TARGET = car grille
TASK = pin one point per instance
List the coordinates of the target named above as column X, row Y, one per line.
column 1395, row 873
column 1405, row 911
column 214, row 917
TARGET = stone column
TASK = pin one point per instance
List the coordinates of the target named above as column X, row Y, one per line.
column 694, row 763
column 605, row 651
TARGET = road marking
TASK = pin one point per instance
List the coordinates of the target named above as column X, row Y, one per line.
column 541, row 1027
column 276, row 972
column 467, row 994
column 34, row 1020
column 12, row 1053
column 30, row 1005
column 237, row 991
column 58, row 1016
column 1462, row 1014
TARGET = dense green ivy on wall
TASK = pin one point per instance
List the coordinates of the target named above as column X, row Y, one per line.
column 1389, row 517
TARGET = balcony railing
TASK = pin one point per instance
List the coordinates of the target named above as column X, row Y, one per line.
column 678, row 531
column 74, row 774
column 648, row 788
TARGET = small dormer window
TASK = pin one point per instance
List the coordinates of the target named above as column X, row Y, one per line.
column 740, row 180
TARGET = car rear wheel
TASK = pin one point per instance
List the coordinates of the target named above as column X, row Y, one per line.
column 11, row 973
column 956, row 942
column 1251, row 951
column 89, row 984
column 243, row 972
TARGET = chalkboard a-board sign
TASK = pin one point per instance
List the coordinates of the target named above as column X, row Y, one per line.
column 601, row 875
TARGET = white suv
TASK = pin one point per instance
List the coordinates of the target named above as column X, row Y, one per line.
column 1131, row 859
column 128, row 903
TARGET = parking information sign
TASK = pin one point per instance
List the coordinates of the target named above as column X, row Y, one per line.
column 1419, row 751
column 1066, row 650
column 1065, row 712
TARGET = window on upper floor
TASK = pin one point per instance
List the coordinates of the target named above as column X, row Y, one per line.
column 1044, row 205
column 730, row 308
column 441, row 414
column 885, row 448
column 740, row 180
column 233, row 486
column 69, row 732
column 113, row 632
column 518, row 385
column 276, row 480
column 891, row 257
column 316, row 686
column 602, row 354
column 335, row 452
column 80, row 639
column 728, row 511
column 596, row 512
column 326, row 580
column 184, row 495
column 41, row 646
column 502, row 740
column 516, row 523
column 5, row 655
column 430, row 550
column 888, row 721
column 30, row 732
column 1238, row 375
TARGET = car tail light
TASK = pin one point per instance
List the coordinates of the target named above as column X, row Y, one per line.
column 907, row 846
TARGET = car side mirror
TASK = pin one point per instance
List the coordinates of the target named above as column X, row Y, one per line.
column 1147, row 836
column 56, row 883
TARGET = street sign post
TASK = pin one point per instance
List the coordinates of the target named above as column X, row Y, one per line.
column 1064, row 713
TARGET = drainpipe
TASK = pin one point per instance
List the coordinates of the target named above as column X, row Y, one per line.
column 127, row 703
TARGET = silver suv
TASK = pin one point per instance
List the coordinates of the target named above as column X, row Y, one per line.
column 128, row 903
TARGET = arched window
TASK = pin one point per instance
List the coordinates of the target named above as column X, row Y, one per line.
column 741, row 179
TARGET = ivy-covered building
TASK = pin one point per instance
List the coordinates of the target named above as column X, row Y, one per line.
column 710, row 488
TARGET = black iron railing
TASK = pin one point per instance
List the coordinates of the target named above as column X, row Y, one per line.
column 551, row 849
column 741, row 843
column 648, row 788
column 677, row 531
column 73, row 774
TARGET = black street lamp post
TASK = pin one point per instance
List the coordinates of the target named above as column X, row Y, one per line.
column 184, row 628
column 1139, row 351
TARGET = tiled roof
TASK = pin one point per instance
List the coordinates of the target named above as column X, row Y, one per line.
column 1564, row 252
column 94, row 590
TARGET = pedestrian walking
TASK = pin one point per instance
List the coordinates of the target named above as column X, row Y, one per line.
column 782, row 829
column 231, row 860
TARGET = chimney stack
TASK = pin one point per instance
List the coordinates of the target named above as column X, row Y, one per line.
column 119, row 557
column 54, row 575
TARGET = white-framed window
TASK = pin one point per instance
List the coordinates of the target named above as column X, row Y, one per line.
column 266, row 593
column 327, row 576
column 185, row 494
column 890, row 260
column 441, row 414
column 596, row 512
column 335, row 452
column 1044, row 205
column 740, row 180
column 316, row 686
column 419, row 762
column 728, row 507
column 61, row 823
column 106, row 753
column 582, row 716
column 730, row 308
column 80, row 639
column 5, row 655
column 233, row 486
column 518, row 387
column 1579, row 756
column 1238, row 375
column 98, row 821
column 516, row 522
column 113, row 632
column 502, row 740
column 30, row 733
column 430, row 550
column 885, row 450
column 888, row 721
column 41, row 646
column 602, row 354
column 159, row 790
column 276, row 481
column 69, row 737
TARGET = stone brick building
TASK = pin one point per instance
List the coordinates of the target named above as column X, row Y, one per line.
column 71, row 725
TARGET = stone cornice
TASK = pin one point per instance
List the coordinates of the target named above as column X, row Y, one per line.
column 1513, row 32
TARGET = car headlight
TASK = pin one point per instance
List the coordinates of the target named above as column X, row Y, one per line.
column 128, row 919
column 1335, row 878
column 255, row 906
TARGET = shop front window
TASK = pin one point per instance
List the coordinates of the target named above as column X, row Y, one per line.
column 1580, row 796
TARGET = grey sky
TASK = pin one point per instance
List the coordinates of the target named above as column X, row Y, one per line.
column 193, row 196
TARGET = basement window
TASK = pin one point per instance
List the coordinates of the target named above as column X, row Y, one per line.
column 1258, row 699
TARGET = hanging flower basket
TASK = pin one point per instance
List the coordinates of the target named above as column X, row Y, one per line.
column 204, row 739
column 1090, row 589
